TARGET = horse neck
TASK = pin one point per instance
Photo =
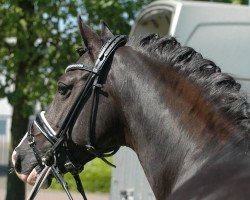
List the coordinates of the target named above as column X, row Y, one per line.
column 166, row 122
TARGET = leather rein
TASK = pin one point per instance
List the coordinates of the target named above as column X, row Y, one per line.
column 50, row 160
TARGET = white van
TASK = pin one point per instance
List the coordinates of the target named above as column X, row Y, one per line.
column 220, row 32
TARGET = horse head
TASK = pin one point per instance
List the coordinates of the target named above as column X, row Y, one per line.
column 89, row 126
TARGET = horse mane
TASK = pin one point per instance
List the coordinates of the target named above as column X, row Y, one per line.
column 220, row 89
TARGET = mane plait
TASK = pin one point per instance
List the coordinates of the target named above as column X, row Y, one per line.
column 220, row 89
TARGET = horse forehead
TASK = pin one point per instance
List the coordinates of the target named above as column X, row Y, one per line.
column 71, row 76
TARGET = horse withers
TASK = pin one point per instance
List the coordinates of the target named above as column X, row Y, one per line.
column 185, row 119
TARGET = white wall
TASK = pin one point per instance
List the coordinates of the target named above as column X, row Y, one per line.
column 5, row 114
column 5, row 107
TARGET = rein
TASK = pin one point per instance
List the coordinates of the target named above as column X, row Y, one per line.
column 49, row 161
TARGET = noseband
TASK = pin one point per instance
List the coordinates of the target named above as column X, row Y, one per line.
column 50, row 160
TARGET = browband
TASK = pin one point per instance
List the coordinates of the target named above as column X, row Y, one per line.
column 109, row 47
column 85, row 67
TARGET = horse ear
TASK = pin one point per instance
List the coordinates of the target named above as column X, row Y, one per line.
column 90, row 38
column 105, row 31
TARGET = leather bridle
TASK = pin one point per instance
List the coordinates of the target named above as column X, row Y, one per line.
column 50, row 160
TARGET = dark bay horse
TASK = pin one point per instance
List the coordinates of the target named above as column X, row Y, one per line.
column 185, row 119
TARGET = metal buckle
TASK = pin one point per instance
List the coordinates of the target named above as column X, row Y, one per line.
column 89, row 147
column 49, row 158
column 70, row 167
column 31, row 141
column 96, row 84
column 95, row 70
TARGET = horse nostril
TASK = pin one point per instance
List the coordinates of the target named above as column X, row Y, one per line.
column 18, row 166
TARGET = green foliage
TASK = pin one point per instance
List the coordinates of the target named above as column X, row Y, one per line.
column 96, row 177
column 119, row 14
column 38, row 40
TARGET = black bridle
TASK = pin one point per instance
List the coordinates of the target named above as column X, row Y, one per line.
column 50, row 160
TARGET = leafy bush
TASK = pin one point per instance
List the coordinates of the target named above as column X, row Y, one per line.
column 96, row 177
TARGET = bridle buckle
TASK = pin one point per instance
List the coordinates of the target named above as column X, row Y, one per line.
column 70, row 167
column 49, row 158
column 31, row 141
column 89, row 147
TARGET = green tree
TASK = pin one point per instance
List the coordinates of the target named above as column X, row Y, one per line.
column 119, row 14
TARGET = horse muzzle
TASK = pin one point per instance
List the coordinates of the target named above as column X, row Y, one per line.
column 30, row 177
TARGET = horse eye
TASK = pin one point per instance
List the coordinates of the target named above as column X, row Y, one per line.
column 63, row 88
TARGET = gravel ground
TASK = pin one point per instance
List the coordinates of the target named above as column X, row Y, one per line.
column 53, row 194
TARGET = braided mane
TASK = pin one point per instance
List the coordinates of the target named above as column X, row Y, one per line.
column 221, row 90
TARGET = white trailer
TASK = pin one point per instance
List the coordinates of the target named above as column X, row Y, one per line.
column 220, row 32
column 5, row 124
